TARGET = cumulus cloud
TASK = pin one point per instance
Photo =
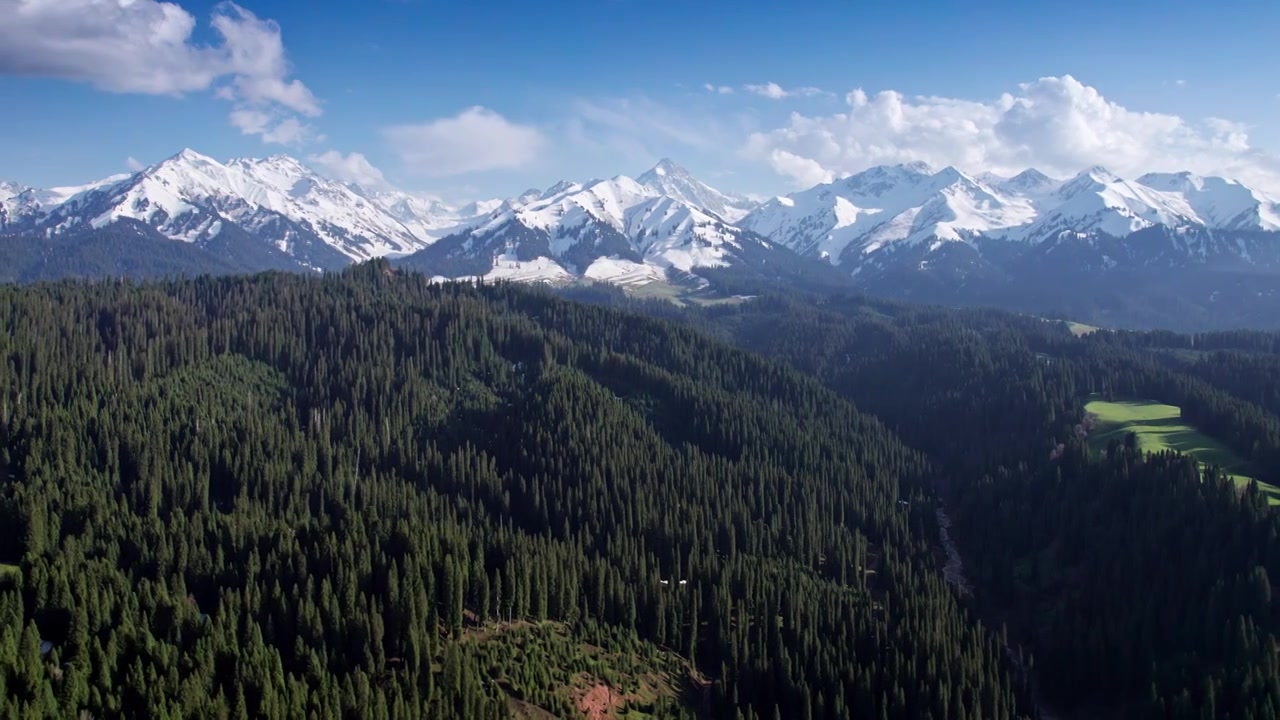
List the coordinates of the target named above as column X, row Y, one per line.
column 146, row 46
column 1056, row 124
column 774, row 91
column 352, row 167
column 272, row 127
column 256, row 61
column 718, row 89
column 249, row 121
column 120, row 46
column 133, row 164
column 475, row 140
column 289, row 131
column 806, row 172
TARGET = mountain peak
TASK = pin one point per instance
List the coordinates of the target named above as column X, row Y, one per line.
column 282, row 159
column 666, row 167
column 920, row 167
column 560, row 187
column 1030, row 175
column 950, row 173
column 877, row 180
column 914, row 169
column 277, row 160
column 1099, row 173
column 191, row 156
column 1030, row 180
column 673, row 181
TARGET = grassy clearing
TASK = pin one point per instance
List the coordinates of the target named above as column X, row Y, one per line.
column 1160, row 427
column 658, row 290
column 709, row 301
column 1080, row 329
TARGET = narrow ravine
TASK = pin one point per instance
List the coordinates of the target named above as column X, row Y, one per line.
column 953, row 570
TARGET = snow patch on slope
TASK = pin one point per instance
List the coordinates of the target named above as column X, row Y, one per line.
column 623, row 272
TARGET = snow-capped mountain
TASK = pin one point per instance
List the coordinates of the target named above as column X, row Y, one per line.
column 427, row 218
column 20, row 203
column 667, row 178
column 1030, row 183
column 864, row 220
column 621, row 230
column 661, row 225
column 1096, row 202
column 191, row 197
column 886, row 206
column 1165, row 250
column 1219, row 202
column 909, row 230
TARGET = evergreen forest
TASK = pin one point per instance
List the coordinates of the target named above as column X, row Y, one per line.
column 367, row 495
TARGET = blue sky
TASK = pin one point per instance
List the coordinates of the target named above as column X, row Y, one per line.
column 485, row 99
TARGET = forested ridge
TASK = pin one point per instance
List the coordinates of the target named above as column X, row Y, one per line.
column 362, row 495
column 1132, row 586
column 365, row 495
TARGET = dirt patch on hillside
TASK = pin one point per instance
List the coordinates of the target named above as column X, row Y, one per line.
column 599, row 702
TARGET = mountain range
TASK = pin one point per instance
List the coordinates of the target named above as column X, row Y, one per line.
column 1171, row 249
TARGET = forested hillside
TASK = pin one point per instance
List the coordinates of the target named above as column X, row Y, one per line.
column 1134, row 586
column 129, row 249
column 365, row 496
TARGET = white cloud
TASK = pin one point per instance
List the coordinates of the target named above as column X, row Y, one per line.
column 146, row 46
column 1056, row 124
column 805, row 171
column 352, row 167
column 133, row 164
column 249, row 121
column 774, row 91
column 289, row 131
column 117, row 45
column 271, row 126
column 256, row 61
column 718, row 89
column 475, row 140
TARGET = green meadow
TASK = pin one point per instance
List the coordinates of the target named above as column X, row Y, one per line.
column 1160, row 427
column 1080, row 329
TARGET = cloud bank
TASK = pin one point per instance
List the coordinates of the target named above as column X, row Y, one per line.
column 146, row 47
column 475, row 140
column 353, row 168
column 1056, row 124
